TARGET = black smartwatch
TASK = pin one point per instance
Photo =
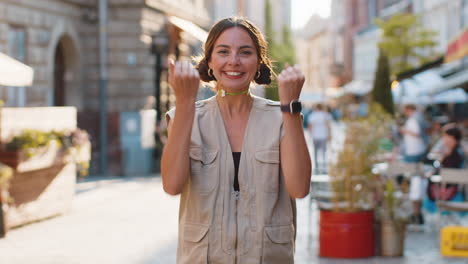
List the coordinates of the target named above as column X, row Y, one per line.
column 293, row 107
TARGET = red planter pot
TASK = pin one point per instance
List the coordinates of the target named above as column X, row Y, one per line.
column 346, row 235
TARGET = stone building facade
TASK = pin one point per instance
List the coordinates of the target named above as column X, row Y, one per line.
column 313, row 55
column 59, row 39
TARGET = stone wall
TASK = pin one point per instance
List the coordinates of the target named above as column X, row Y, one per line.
column 44, row 22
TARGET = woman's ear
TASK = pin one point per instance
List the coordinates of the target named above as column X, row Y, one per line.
column 208, row 63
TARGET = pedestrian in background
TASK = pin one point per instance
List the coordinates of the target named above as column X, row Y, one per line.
column 319, row 123
column 237, row 160
column 414, row 150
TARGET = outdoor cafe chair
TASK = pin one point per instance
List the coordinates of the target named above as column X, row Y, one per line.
column 454, row 176
column 398, row 167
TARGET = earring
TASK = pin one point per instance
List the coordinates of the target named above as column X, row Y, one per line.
column 210, row 73
column 257, row 75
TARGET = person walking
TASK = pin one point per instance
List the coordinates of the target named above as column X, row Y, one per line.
column 414, row 150
column 237, row 160
column 319, row 124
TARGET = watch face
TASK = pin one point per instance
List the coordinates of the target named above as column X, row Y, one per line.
column 296, row 107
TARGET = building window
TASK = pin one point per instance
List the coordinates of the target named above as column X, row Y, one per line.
column 371, row 10
column 16, row 96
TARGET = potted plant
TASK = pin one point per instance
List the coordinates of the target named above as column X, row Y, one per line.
column 26, row 145
column 394, row 213
column 36, row 149
column 347, row 227
column 41, row 182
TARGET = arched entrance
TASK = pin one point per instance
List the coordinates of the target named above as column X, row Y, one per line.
column 59, row 76
column 65, row 77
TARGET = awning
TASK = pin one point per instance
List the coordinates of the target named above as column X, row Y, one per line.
column 458, row 48
column 457, row 95
column 189, row 27
column 427, row 80
column 452, row 81
column 409, row 91
column 14, row 73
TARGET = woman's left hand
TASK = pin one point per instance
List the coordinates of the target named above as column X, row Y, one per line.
column 290, row 82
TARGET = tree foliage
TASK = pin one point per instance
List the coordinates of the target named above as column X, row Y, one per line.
column 406, row 42
column 381, row 92
column 280, row 52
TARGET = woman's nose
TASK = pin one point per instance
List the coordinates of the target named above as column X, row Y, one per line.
column 234, row 59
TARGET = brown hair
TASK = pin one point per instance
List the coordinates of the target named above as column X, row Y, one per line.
column 451, row 129
column 410, row 107
column 266, row 67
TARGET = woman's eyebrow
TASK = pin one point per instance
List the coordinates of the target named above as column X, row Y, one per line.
column 222, row 46
column 241, row 47
column 246, row 47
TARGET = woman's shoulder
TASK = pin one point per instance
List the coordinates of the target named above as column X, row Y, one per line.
column 200, row 105
column 266, row 104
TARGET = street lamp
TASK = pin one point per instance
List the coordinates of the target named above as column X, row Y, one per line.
column 159, row 46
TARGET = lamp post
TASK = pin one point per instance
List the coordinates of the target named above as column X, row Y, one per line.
column 159, row 46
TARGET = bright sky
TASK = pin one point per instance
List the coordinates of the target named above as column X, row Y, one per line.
column 302, row 10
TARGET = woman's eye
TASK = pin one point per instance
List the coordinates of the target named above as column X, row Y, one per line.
column 223, row 52
column 246, row 52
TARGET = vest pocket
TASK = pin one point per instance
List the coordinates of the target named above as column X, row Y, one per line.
column 195, row 244
column 203, row 169
column 278, row 245
column 267, row 169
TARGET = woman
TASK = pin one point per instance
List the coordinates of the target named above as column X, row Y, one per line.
column 237, row 160
column 453, row 156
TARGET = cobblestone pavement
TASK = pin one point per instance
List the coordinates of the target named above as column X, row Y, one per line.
column 131, row 220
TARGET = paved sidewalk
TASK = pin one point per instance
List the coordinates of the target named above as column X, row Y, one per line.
column 126, row 220
column 132, row 221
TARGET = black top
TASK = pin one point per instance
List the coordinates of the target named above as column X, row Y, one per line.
column 236, row 156
column 455, row 159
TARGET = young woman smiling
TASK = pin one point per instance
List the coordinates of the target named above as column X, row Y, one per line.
column 237, row 160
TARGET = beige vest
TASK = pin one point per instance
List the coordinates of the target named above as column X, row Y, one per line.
column 217, row 226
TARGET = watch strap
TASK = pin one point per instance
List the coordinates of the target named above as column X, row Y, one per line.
column 288, row 108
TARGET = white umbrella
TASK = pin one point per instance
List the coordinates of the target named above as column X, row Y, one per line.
column 457, row 95
column 14, row 73
column 358, row 87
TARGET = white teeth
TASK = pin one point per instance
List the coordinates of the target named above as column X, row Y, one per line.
column 233, row 73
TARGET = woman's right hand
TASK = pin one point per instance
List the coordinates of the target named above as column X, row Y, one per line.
column 184, row 80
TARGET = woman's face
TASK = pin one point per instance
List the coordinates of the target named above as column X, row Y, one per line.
column 449, row 141
column 234, row 60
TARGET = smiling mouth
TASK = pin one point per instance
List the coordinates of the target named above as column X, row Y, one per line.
column 233, row 73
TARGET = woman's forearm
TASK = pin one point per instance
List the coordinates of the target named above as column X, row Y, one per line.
column 295, row 159
column 175, row 161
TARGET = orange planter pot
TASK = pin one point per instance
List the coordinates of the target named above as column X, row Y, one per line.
column 346, row 235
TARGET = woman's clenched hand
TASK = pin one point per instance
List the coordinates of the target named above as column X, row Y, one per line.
column 184, row 80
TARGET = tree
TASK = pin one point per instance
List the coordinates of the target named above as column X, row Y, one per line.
column 405, row 41
column 280, row 53
column 381, row 92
